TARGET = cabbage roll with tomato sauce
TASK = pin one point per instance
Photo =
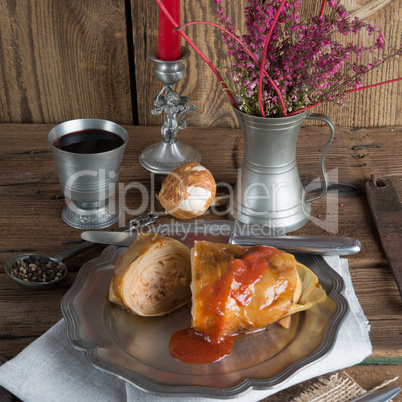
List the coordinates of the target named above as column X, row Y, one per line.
column 240, row 290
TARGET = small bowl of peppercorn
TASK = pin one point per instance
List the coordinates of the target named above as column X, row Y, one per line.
column 35, row 271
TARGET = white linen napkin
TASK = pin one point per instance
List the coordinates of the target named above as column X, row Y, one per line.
column 50, row 369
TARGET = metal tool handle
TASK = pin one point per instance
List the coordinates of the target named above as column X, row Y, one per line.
column 73, row 251
column 327, row 120
column 323, row 245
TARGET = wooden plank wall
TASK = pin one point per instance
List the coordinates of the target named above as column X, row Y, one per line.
column 65, row 59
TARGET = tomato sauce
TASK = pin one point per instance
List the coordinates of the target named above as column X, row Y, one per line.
column 237, row 282
column 189, row 346
column 245, row 272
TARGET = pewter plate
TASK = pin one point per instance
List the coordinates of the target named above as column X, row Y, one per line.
column 137, row 348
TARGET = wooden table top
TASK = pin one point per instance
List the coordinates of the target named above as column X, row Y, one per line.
column 31, row 201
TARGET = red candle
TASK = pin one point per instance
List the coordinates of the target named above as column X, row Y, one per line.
column 169, row 41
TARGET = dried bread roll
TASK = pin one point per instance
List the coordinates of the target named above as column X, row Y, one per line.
column 187, row 191
column 152, row 277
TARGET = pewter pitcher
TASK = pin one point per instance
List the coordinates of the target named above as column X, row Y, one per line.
column 269, row 190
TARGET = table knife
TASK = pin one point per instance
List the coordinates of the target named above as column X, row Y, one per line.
column 379, row 395
column 323, row 245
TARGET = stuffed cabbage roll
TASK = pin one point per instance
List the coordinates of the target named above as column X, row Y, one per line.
column 240, row 290
column 153, row 276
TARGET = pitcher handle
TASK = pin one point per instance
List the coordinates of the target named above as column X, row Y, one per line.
column 327, row 120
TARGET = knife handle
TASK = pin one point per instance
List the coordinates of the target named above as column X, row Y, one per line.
column 323, row 245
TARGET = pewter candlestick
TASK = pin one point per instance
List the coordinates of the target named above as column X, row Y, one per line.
column 170, row 153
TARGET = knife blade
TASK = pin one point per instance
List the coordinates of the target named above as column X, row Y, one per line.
column 323, row 245
column 379, row 395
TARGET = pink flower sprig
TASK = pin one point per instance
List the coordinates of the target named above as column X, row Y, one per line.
column 282, row 65
column 264, row 72
column 264, row 58
column 304, row 59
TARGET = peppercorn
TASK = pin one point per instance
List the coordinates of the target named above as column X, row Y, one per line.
column 37, row 269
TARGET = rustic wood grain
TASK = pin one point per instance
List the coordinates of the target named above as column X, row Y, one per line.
column 386, row 322
column 64, row 60
column 368, row 9
column 144, row 15
column 25, row 304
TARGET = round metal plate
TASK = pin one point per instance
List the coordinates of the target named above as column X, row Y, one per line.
column 137, row 348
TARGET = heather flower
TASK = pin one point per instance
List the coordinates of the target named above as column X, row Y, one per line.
column 304, row 58
column 283, row 65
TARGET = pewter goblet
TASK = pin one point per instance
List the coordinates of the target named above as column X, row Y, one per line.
column 88, row 179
